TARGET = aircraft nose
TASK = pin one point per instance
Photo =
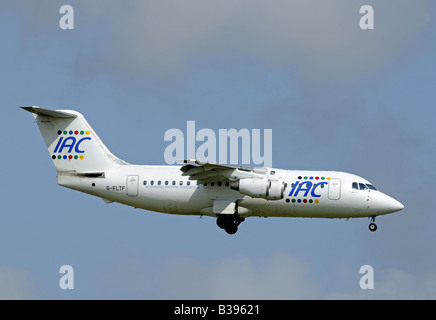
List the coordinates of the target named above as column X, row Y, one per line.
column 393, row 205
column 383, row 204
column 398, row 205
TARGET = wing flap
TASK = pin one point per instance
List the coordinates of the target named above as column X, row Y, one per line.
column 204, row 172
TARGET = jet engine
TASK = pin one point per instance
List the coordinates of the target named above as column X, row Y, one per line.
column 260, row 188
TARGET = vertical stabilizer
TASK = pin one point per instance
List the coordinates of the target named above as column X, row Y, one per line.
column 72, row 143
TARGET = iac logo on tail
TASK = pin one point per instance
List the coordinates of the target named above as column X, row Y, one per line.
column 69, row 144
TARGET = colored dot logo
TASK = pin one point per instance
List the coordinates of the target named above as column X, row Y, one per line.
column 70, row 141
column 303, row 200
column 312, row 178
column 74, row 132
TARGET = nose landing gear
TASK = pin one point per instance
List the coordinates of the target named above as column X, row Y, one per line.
column 372, row 225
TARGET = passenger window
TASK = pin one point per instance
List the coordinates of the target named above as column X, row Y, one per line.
column 152, row 182
column 272, row 172
column 174, row 183
column 145, row 182
column 227, row 183
column 188, row 183
column 212, row 184
column 355, row 186
column 181, row 183
column 158, row 183
column 220, row 183
column 166, row 183
column 362, row 186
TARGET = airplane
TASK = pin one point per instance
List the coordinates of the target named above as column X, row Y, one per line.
column 229, row 193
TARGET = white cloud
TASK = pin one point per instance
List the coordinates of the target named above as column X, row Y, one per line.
column 321, row 39
column 279, row 276
column 127, row 275
column 15, row 284
column 394, row 283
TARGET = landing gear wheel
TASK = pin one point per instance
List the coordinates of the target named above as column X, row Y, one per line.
column 221, row 222
column 231, row 228
column 229, row 222
column 372, row 226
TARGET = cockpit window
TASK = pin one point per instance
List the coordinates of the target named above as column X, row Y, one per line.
column 362, row 186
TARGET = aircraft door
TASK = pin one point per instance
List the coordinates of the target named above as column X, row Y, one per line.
column 132, row 186
column 334, row 189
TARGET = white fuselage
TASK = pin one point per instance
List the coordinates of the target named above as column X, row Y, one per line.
column 227, row 192
column 323, row 194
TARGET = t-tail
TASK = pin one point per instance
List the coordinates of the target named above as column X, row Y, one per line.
column 72, row 144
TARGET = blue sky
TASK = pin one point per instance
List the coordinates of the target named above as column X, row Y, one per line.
column 336, row 97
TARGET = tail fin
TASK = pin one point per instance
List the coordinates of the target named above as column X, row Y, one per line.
column 71, row 142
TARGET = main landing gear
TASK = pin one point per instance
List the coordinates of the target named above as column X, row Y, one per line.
column 229, row 222
column 372, row 225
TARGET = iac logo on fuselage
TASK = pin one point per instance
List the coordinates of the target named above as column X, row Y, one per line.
column 307, row 186
column 69, row 145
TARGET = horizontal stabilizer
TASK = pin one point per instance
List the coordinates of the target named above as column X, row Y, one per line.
column 49, row 113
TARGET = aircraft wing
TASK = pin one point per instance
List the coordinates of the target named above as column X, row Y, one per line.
column 205, row 172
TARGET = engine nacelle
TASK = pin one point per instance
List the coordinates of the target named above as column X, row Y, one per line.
column 276, row 190
column 260, row 188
